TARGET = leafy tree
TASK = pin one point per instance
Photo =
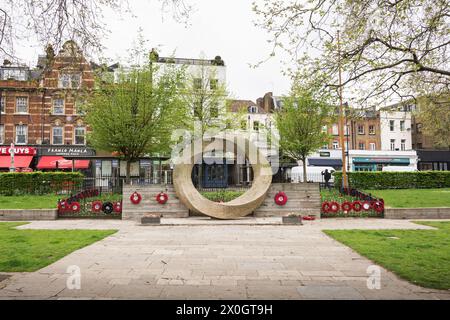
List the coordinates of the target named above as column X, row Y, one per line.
column 434, row 116
column 389, row 48
column 300, row 124
column 135, row 115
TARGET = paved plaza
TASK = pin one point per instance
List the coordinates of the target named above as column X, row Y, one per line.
column 211, row 259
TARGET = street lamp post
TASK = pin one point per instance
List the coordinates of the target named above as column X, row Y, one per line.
column 12, row 151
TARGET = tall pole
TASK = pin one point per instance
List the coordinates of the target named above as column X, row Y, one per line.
column 341, row 118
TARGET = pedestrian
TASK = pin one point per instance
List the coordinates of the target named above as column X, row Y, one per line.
column 327, row 177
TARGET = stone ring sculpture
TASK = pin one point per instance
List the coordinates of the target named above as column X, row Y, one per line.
column 237, row 208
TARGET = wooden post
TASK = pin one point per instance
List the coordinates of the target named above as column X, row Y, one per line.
column 341, row 119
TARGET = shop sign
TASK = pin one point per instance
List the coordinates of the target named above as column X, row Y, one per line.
column 18, row 151
column 72, row 151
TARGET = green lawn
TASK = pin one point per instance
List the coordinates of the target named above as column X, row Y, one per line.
column 29, row 202
column 414, row 198
column 31, row 250
column 419, row 256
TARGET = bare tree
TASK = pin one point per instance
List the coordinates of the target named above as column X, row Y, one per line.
column 389, row 48
column 52, row 22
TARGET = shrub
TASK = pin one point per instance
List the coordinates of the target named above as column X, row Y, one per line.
column 19, row 183
column 396, row 180
column 221, row 195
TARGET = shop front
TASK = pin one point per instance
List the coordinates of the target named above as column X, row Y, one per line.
column 65, row 158
column 433, row 160
column 22, row 160
column 377, row 160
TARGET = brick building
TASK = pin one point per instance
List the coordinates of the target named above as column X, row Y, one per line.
column 40, row 106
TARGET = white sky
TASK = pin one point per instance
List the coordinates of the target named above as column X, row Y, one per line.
column 216, row 27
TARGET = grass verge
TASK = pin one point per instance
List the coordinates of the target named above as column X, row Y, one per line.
column 420, row 256
column 31, row 250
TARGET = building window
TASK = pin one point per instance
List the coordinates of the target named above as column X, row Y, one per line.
column 21, row 134
column 197, row 84
column 392, row 144
column 346, row 130
column 69, row 80
column 57, row 135
column 256, row 125
column 244, row 125
column 391, row 125
column 252, row 109
column 360, row 129
column 419, row 128
column 372, row 129
column 402, row 125
column 14, row 74
column 362, row 146
column 372, row 146
column 213, row 84
column 324, row 129
column 80, row 134
column 21, row 105
column 2, row 134
column 335, row 129
column 403, row 145
column 2, row 104
column 58, row 106
column 335, row 145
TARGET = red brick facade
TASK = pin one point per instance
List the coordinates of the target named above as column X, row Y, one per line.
column 47, row 99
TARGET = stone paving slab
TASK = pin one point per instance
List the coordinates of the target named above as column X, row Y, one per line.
column 217, row 261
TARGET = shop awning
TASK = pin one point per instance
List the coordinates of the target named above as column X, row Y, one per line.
column 383, row 160
column 321, row 162
column 53, row 162
column 19, row 161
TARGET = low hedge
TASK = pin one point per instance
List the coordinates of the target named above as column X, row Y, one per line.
column 395, row 180
column 20, row 183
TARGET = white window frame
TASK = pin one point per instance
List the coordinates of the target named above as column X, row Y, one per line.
column 335, row 130
column 403, row 145
column 63, row 106
column 75, row 136
column 66, row 80
column 53, row 136
column 26, row 105
column 402, row 125
column 256, row 125
column 23, row 126
column 3, row 105
column 361, row 144
column 335, row 145
column 392, row 142
column 372, row 146
column 2, row 133
column 363, row 129
column 391, row 125
column 374, row 130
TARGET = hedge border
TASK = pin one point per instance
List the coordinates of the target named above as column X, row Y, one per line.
column 19, row 183
column 363, row 180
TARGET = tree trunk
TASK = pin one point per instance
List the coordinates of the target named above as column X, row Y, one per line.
column 127, row 180
column 305, row 176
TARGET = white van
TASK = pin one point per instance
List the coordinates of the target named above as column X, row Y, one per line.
column 314, row 174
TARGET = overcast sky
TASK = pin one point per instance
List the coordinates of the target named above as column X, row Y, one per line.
column 216, row 27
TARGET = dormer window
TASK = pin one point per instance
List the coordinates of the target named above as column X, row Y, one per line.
column 252, row 109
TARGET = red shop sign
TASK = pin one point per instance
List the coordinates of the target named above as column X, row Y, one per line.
column 18, row 151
